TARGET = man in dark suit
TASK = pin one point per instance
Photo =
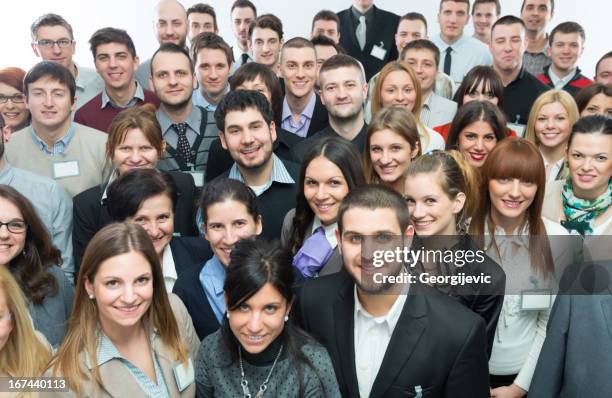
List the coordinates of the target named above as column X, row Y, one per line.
column 389, row 339
column 368, row 34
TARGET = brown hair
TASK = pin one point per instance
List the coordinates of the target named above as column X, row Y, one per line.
column 210, row 41
column 30, row 267
column 267, row 21
column 138, row 117
column 112, row 240
column 516, row 158
column 13, row 76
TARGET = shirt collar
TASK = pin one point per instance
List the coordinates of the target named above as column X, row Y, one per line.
column 63, row 142
column 199, row 99
column 368, row 14
column 556, row 80
column 427, row 103
column 107, row 351
column 114, row 175
column 306, row 112
column 168, row 266
column 215, row 272
column 390, row 318
column 458, row 43
column 139, row 94
column 330, row 231
column 6, row 173
column 193, row 120
column 279, row 172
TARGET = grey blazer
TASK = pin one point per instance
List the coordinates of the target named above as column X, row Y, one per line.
column 437, row 111
column 333, row 265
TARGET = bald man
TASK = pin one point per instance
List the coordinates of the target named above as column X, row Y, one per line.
column 170, row 26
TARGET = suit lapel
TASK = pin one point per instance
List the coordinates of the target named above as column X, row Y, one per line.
column 350, row 24
column 166, row 363
column 118, row 381
column 370, row 31
column 404, row 340
column 345, row 337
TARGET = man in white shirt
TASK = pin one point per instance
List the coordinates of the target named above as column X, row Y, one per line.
column 484, row 15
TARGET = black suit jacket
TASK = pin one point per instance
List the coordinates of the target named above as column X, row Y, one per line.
column 437, row 343
column 319, row 115
column 382, row 30
column 189, row 250
column 90, row 214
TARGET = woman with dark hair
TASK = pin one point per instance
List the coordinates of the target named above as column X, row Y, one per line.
column 509, row 226
column 258, row 351
column 146, row 197
column 127, row 337
column 134, row 142
column 229, row 211
column 12, row 101
column 257, row 77
column 595, row 99
column 475, row 130
column 27, row 252
column 330, row 169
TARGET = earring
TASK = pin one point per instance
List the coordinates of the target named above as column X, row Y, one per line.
column 91, row 296
column 227, row 315
column 286, row 318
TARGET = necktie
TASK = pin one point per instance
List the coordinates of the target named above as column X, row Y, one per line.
column 313, row 254
column 447, row 60
column 182, row 146
column 245, row 58
column 360, row 32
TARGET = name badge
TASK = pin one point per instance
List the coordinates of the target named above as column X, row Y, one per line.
column 378, row 51
column 198, row 178
column 184, row 375
column 536, row 299
column 519, row 128
column 66, row 169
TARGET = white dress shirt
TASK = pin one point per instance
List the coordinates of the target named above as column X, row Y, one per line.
column 168, row 269
column 466, row 53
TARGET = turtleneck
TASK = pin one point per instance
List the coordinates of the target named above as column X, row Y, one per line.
column 267, row 356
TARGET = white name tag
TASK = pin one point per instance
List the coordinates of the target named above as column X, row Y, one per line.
column 184, row 375
column 536, row 299
column 198, row 178
column 65, row 169
column 378, row 52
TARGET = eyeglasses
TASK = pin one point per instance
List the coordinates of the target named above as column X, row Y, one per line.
column 16, row 227
column 61, row 43
column 15, row 99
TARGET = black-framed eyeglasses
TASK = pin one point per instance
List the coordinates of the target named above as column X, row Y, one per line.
column 15, row 99
column 16, row 227
column 61, row 43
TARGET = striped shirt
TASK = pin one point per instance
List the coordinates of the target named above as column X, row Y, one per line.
column 279, row 174
column 60, row 145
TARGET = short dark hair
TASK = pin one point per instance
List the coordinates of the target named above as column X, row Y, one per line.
column 251, row 71
column 244, row 4
column 342, row 61
column 552, row 6
column 240, row 101
column 508, row 20
column 372, row 197
column 456, row 1
column 50, row 20
column 171, row 48
column 211, row 41
column 415, row 16
column 127, row 193
column 585, row 95
column 222, row 189
column 497, row 5
column 566, row 27
column 202, row 8
column 605, row 56
column 52, row 70
column 422, row 44
column 111, row 35
column 590, row 125
column 326, row 15
column 321, row 40
column 480, row 74
column 267, row 21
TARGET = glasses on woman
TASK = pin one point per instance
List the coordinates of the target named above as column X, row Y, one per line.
column 15, row 99
column 16, row 227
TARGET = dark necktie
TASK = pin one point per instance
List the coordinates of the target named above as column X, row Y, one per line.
column 182, row 146
column 447, row 60
column 245, row 58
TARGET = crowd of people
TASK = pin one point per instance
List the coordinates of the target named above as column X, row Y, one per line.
column 207, row 222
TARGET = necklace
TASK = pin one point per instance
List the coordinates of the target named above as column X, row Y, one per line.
column 244, row 383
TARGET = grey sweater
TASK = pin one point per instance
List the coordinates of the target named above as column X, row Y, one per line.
column 218, row 376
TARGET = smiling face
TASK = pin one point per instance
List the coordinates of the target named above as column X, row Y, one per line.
column 476, row 141
column 599, row 104
column 212, row 71
column 324, row 189
column 398, row 91
column 565, row 51
column 266, row 46
column 135, row 152
column 343, row 92
column 552, row 126
column 391, row 155
column 172, row 79
column 423, row 62
column 227, row 223
column 536, row 14
column 11, row 243
column 260, row 319
column 56, row 53
column 409, row 30
column 452, row 17
column 484, row 16
column 115, row 65
column 156, row 217
column 590, row 164
column 510, row 199
column 123, row 290
column 432, row 211
column 14, row 113
column 298, row 67
column 49, row 103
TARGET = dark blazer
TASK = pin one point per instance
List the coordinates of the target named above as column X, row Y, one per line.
column 383, row 28
column 91, row 214
column 319, row 115
column 220, row 160
column 189, row 250
column 437, row 343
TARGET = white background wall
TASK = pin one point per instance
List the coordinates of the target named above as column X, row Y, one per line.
column 136, row 16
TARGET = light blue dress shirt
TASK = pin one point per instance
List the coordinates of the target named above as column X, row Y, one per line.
column 212, row 278
column 60, row 145
column 300, row 128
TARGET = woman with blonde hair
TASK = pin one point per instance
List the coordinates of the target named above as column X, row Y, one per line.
column 550, row 122
column 399, row 86
column 23, row 351
column 127, row 337
column 392, row 142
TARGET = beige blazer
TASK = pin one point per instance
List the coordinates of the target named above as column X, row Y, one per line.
column 117, row 380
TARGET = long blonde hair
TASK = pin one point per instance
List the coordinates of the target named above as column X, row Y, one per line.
column 24, row 354
column 550, row 97
column 110, row 241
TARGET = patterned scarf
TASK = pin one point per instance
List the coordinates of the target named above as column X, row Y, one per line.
column 580, row 213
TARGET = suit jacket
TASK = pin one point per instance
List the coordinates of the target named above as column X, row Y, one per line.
column 382, row 30
column 437, row 343
column 189, row 250
column 91, row 213
column 441, row 111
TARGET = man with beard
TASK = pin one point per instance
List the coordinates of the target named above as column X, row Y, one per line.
column 247, row 130
column 385, row 341
column 343, row 91
column 187, row 129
